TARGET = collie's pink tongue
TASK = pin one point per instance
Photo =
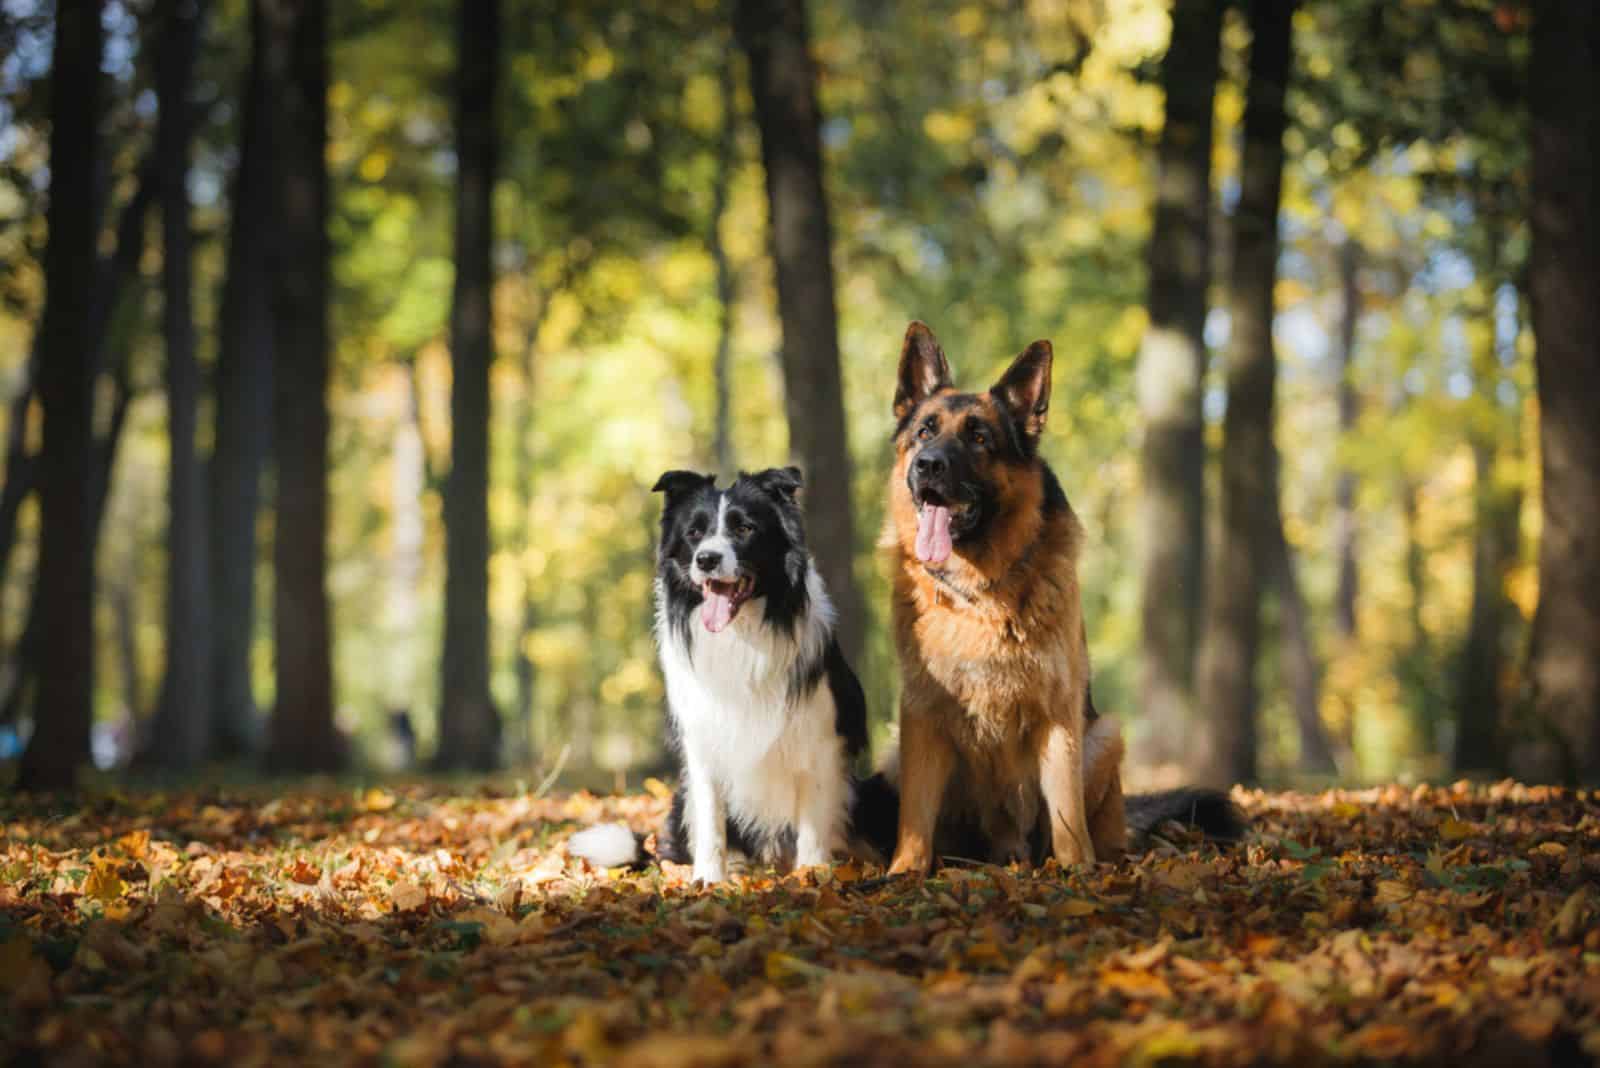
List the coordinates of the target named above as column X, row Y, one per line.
column 716, row 611
column 933, row 534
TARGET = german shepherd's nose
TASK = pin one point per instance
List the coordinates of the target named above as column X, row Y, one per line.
column 931, row 463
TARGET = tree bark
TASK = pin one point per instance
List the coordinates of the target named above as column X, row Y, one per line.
column 1249, row 482
column 1297, row 652
column 1344, row 523
column 21, row 470
column 1171, row 373
column 301, row 736
column 1496, row 508
column 243, row 385
column 1564, row 655
column 181, row 739
column 783, row 85
column 469, row 724
column 64, row 699
column 721, row 371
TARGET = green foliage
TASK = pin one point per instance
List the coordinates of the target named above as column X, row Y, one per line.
column 989, row 169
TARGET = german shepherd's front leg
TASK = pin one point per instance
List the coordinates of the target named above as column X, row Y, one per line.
column 1061, row 780
column 926, row 760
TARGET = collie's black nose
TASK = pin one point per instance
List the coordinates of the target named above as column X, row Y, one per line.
column 708, row 560
column 931, row 465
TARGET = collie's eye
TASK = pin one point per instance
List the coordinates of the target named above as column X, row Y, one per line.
column 744, row 530
column 925, row 433
column 694, row 533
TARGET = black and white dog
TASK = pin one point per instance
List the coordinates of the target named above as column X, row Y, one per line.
column 767, row 717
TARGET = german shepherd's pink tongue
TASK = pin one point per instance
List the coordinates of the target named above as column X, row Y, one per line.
column 933, row 534
column 716, row 611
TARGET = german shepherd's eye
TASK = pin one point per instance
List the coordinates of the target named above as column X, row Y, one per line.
column 980, row 439
column 924, row 432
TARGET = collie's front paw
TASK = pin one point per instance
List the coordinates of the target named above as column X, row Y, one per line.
column 710, row 874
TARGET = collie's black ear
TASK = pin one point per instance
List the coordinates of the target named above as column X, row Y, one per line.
column 923, row 369
column 781, row 482
column 1025, row 387
column 677, row 483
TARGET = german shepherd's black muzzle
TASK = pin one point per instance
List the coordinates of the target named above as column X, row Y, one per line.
column 942, row 476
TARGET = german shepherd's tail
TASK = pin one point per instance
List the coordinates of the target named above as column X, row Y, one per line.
column 1208, row 811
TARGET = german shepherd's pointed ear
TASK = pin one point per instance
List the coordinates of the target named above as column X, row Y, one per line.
column 781, row 483
column 923, row 369
column 1025, row 388
column 677, row 483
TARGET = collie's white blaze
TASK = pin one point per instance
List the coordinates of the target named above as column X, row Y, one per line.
column 750, row 753
column 717, row 541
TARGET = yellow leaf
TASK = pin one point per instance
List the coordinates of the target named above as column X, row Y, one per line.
column 135, row 844
column 1391, row 892
column 1551, row 849
column 781, row 966
column 705, row 946
column 1346, row 810
column 1453, row 830
column 658, row 789
column 1137, row 986
column 103, row 883
column 376, row 800
column 1570, row 920
column 1075, row 906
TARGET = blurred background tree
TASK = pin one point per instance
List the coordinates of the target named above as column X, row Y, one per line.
column 457, row 290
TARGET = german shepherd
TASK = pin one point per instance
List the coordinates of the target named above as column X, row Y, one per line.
column 1002, row 755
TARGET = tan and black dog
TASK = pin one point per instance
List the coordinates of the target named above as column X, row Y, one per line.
column 1002, row 755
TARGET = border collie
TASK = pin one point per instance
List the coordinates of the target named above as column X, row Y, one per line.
column 766, row 716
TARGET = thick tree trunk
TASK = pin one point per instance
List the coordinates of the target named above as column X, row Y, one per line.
column 1249, row 484
column 1479, row 678
column 721, row 371
column 1297, row 652
column 469, row 724
column 1172, row 362
column 181, row 739
column 1564, row 656
column 64, row 699
column 244, row 417
column 783, row 84
column 302, row 736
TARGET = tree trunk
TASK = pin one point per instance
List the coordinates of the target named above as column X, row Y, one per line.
column 1564, row 655
column 22, row 467
column 1297, row 652
column 124, row 606
column 1249, row 483
column 1496, row 509
column 64, row 700
column 1172, row 363
column 783, row 85
column 181, row 739
column 302, row 736
column 1344, row 523
column 727, row 143
column 469, row 724
column 243, row 416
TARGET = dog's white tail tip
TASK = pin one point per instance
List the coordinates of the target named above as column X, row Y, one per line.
column 607, row 845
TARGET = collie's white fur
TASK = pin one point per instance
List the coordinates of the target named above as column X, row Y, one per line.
column 749, row 750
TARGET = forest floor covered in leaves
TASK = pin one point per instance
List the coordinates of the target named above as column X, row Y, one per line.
column 425, row 925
